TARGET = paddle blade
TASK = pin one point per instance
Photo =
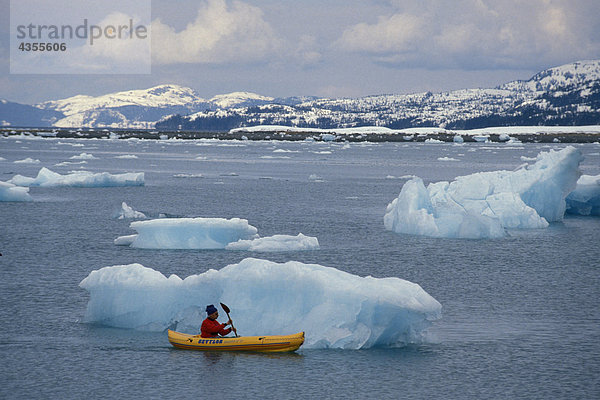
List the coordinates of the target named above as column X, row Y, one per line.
column 225, row 308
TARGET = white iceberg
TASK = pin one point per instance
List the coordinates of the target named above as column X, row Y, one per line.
column 276, row 243
column 127, row 212
column 27, row 160
column 188, row 233
column 10, row 192
column 48, row 178
column 125, row 240
column 483, row 204
column 335, row 309
column 585, row 199
column 83, row 156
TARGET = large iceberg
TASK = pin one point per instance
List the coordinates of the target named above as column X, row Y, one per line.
column 276, row 243
column 585, row 199
column 188, row 233
column 10, row 192
column 48, row 178
column 335, row 309
column 483, row 204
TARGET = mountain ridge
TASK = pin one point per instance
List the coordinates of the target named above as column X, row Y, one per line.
column 568, row 94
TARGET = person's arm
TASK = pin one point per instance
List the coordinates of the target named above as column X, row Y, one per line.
column 224, row 331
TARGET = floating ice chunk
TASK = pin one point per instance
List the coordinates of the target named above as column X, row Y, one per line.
column 48, row 178
column 126, row 212
column 191, row 233
column 432, row 140
column 127, row 156
column 504, row 137
column 27, row 160
column 447, row 159
column 188, row 176
column 125, row 240
column 83, row 156
column 524, row 158
column 67, row 163
column 458, row 139
column 275, row 157
column 10, row 192
column 481, row 205
column 276, row 243
column 585, row 199
column 335, row 309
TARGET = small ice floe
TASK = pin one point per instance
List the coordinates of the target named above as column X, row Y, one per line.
column 276, row 243
column 48, row 178
column 447, row 159
column 127, row 212
column 10, row 192
column 83, row 156
column 188, row 233
column 188, row 176
column 27, row 160
column 275, row 157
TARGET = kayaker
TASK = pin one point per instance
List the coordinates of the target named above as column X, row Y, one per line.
column 211, row 327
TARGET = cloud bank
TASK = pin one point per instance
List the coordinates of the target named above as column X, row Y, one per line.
column 478, row 34
column 221, row 33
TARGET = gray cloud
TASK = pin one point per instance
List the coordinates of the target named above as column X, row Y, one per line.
column 479, row 34
column 221, row 33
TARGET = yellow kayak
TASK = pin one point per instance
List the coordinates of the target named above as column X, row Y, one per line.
column 273, row 343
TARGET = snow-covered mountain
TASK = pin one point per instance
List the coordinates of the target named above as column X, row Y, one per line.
column 564, row 95
column 240, row 99
column 140, row 109
column 128, row 109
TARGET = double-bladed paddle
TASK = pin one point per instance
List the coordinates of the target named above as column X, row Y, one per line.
column 226, row 309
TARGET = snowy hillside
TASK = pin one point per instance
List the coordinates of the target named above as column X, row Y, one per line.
column 240, row 99
column 158, row 96
column 577, row 74
column 128, row 109
column 142, row 108
column 565, row 95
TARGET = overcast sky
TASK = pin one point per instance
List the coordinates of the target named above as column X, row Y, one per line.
column 336, row 48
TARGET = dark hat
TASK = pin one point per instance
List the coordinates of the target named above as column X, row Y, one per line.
column 210, row 309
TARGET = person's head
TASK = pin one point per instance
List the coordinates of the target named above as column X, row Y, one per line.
column 212, row 312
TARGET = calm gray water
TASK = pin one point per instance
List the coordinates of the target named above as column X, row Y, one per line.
column 521, row 315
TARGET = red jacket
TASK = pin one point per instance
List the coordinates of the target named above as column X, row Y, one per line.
column 212, row 328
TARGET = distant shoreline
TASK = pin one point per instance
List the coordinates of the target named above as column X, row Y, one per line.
column 495, row 135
